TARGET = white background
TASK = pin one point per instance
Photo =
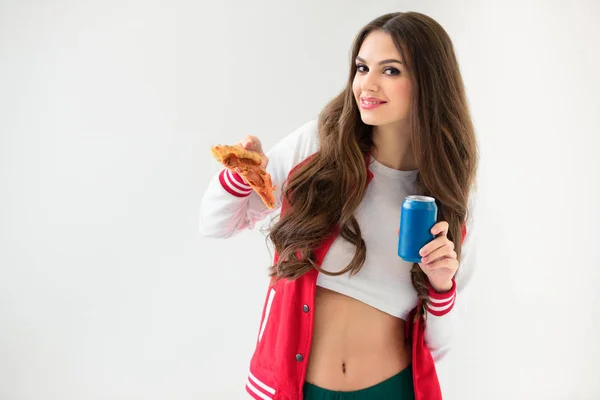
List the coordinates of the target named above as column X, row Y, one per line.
column 108, row 110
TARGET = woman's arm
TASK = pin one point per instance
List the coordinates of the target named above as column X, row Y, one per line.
column 445, row 311
column 229, row 205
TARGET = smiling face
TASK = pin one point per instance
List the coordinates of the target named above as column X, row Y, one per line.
column 381, row 85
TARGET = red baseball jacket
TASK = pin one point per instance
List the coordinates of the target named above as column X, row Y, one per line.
column 278, row 366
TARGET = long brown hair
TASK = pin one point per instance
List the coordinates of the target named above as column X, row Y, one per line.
column 325, row 192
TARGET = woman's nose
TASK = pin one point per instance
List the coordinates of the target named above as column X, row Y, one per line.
column 369, row 83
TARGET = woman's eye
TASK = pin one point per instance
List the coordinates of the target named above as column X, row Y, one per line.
column 361, row 68
column 392, row 71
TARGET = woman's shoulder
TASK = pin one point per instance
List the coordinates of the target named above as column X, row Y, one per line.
column 306, row 136
column 299, row 144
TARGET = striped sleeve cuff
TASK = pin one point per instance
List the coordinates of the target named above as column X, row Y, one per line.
column 441, row 303
column 234, row 184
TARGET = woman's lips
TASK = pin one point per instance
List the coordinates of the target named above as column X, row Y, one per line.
column 370, row 103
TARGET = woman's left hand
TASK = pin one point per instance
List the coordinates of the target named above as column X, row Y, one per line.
column 438, row 259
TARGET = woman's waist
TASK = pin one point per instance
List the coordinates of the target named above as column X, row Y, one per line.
column 354, row 345
column 355, row 372
column 347, row 324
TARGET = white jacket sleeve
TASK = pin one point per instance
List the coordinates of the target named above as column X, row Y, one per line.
column 444, row 312
column 229, row 205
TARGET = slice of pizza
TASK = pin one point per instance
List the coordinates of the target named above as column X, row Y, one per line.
column 249, row 164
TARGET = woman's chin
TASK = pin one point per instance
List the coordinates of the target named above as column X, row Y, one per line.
column 370, row 119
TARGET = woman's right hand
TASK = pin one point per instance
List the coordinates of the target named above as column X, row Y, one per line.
column 252, row 143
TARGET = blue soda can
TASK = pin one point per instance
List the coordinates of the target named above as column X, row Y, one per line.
column 417, row 217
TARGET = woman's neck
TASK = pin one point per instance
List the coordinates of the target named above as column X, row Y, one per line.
column 392, row 147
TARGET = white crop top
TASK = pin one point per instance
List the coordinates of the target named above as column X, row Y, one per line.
column 384, row 280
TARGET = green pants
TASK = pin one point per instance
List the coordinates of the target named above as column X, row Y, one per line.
column 398, row 387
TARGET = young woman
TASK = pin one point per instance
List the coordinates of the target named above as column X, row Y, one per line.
column 344, row 316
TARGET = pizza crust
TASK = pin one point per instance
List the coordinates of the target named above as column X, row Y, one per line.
column 224, row 152
column 249, row 165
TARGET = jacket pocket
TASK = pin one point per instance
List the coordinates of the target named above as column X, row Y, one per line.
column 267, row 312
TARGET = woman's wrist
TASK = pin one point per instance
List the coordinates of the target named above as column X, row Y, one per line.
column 233, row 183
column 442, row 301
column 444, row 288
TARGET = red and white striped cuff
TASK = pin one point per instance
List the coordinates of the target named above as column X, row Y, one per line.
column 234, row 184
column 441, row 303
column 259, row 390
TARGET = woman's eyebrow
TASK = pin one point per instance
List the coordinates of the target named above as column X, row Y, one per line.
column 387, row 61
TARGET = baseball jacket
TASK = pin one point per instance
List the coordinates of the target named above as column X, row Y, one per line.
column 279, row 362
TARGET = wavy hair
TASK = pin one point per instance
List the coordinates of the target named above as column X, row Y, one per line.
column 324, row 192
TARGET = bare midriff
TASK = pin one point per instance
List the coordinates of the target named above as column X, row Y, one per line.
column 354, row 345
